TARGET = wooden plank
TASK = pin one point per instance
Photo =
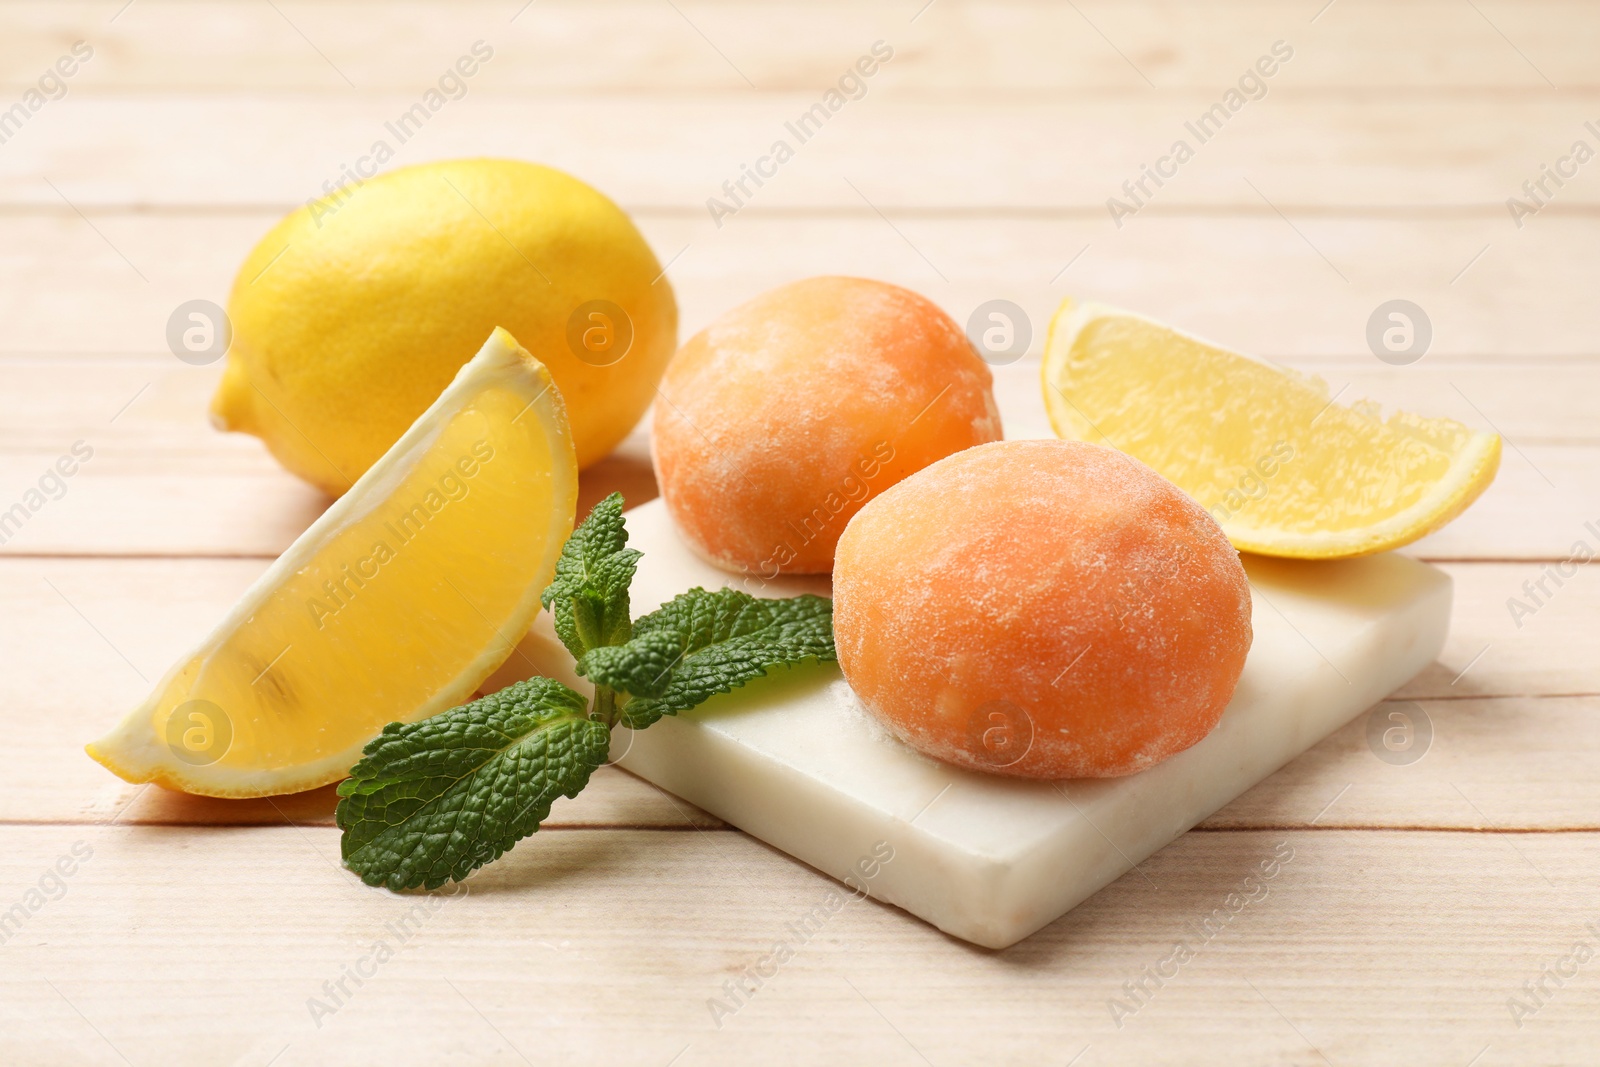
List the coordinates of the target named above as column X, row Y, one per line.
column 614, row 800
column 233, row 500
column 1539, row 508
column 1439, row 155
column 243, row 927
column 85, row 639
column 991, row 48
column 1496, row 651
column 157, row 404
column 1513, row 763
column 1502, row 764
column 1249, row 282
column 161, row 481
column 237, row 503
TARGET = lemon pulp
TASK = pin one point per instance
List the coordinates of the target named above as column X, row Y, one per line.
column 395, row 605
column 1283, row 469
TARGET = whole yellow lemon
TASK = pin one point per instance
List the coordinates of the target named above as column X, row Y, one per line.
column 355, row 311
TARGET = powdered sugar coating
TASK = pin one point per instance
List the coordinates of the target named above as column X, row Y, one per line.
column 780, row 420
column 1066, row 588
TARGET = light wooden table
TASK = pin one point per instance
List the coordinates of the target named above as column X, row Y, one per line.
column 1419, row 898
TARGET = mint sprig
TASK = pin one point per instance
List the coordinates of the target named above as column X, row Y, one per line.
column 434, row 800
column 588, row 600
column 703, row 643
column 437, row 799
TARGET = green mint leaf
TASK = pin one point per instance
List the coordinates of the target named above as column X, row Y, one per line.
column 643, row 666
column 725, row 638
column 588, row 599
column 434, row 800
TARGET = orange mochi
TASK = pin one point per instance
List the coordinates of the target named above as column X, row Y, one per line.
column 776, row 423
column 1044, row 609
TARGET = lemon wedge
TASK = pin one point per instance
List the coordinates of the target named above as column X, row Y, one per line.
column 394, row 605
column 1283, row 469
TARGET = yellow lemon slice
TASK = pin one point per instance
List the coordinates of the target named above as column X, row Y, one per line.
column 394, row 605
column 1283, row 469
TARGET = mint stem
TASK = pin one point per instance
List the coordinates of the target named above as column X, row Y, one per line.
column 605, row 705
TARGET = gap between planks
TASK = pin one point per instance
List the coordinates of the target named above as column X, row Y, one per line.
column 203, row 824
column 1415, row 212
column 598, row 827
column 73, row 554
